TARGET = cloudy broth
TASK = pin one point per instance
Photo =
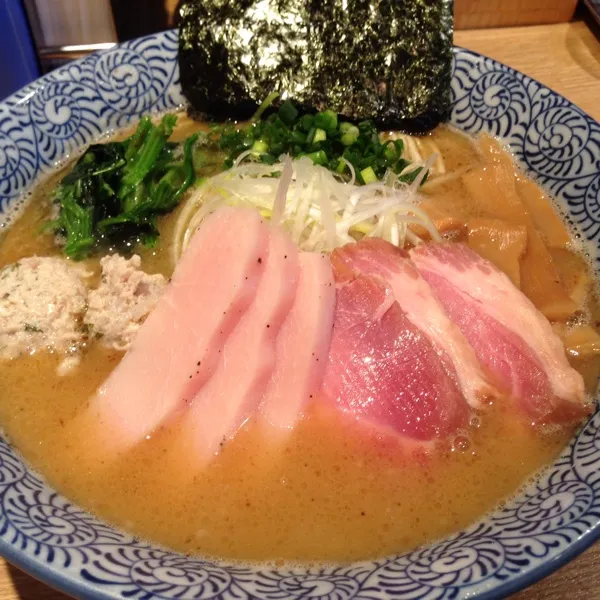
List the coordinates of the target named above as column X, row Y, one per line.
column 335, row 490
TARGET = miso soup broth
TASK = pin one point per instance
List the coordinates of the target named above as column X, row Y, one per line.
column 336, row 489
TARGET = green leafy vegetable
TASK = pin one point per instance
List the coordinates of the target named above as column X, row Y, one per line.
column 116, row 191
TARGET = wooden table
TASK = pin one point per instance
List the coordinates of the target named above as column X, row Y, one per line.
column 567, row 59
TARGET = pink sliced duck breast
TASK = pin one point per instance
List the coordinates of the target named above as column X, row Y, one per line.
column 179, row 345
column 374, row 256
column 509, row 335
column 234, row 391
column 384, row 369
column 303, row 344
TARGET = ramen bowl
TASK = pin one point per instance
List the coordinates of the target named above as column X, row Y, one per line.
column 549, row 523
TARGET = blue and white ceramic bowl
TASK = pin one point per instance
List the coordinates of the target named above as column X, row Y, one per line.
column 558, row 517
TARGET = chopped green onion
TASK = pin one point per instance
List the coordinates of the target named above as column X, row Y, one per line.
column 390, row 151
column 288, row 131
column 350, row 136
column 260, row 147
column 400, row 166
column 298, row 137
column 264, row 105
column 327, row 120
column 368, row 175
column 320, row 136
column 307, row 122
column 411, row 175
column 288, row 112
column 268, row 159
column 318, row 158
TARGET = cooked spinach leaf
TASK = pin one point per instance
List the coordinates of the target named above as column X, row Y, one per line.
column 115, row 191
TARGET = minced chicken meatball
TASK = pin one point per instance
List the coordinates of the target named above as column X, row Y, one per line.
column 42, row 301
column 122, row 301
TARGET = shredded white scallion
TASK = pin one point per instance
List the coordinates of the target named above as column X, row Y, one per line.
column 282, row 191
column 351, row 169
column 318, row 210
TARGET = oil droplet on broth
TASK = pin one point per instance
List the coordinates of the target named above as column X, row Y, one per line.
column 461, row 443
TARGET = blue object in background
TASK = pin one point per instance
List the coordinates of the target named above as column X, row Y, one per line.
column 18, row 60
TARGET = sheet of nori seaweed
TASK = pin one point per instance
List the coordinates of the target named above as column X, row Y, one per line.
column 386, row 60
